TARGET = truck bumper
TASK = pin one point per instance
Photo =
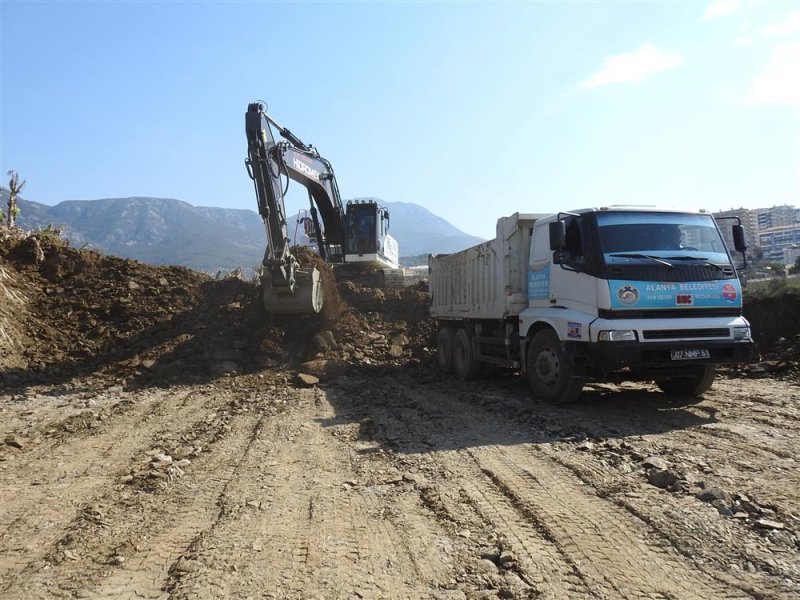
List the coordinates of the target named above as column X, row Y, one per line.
column 653, row 358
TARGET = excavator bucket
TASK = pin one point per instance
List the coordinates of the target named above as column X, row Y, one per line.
column 306, row 299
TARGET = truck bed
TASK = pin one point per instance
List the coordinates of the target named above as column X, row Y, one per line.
column 487, row 281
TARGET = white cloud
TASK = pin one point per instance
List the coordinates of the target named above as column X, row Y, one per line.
column 790, row 25
column 744, row 40
column 632, row 67
column 779, row 82
column 720, row 8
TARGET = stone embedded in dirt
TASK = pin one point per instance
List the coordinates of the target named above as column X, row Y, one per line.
column 132, row 285
column 711, row 494
column 396, row 351
column 117, row 559
column 586, row 446
column 662, row 478
column 465, row 533
column 159, row 460
column 483, row 565
column 655, row 462
column 399, row 339
column 148, row 363
column 768, row 524
column 307, row 380
column 14, row 441
column 506, row 556
column 184, row 462
column 324, row 369
column 323, row 342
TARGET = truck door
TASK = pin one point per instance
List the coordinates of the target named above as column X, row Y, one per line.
column 573, row 284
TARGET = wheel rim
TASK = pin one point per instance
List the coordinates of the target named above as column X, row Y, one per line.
column 547, row 366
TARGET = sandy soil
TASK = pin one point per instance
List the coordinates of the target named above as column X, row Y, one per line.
column 181, row 445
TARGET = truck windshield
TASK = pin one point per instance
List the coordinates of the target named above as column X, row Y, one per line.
column 657, row 237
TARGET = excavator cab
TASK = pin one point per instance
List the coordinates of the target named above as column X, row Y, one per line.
column 367, row 238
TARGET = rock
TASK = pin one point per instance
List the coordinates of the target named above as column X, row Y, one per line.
column 655, row 462
column 307, row 380
column 14, row 442
column 159, row 460
column 323, row 369
column 483, row 565
column 506, row 556
column 396, row 351
column 661, row 478
column 132, row 285
column 148, row 363
column 465, row 533
column 711, row 494
column 585, row 446
column 367, row 429
column 117, row 559
column 399, row 340
column 71, row 555
column 768, row 524
column 323, row 342
column 184, row 462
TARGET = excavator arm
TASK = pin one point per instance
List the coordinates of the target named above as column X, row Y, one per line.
column 287, row 288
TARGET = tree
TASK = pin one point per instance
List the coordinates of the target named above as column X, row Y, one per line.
column 14, row 188
column 795, row 268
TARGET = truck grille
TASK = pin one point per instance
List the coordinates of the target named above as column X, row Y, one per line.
column 665, row 334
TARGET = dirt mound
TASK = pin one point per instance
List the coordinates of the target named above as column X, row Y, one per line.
column 71, row 312
column 775, row 322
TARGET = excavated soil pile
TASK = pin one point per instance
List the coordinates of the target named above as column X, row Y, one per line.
column 776, row 330
column 69, row 312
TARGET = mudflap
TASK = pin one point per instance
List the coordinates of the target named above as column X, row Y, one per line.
column 306, row 299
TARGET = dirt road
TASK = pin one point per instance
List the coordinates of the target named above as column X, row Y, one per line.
column 398, row 484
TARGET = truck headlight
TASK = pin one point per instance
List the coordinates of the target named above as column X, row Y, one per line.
column 741, row 333
column 618, row 335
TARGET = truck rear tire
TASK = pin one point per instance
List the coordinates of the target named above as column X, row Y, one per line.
column 550, row 370
column 464, row 362
column 444, row 349
column 694, row 384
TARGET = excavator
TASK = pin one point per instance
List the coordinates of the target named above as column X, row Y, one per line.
column 352, row 238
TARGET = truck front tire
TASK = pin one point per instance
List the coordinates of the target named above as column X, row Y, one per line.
column 444, row 349
column 464, row 362
column 550, row 370
column 694, row 384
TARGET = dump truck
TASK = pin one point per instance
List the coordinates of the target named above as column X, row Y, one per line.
column 599, row 294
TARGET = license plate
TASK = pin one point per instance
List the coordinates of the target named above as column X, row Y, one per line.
column 689, row 354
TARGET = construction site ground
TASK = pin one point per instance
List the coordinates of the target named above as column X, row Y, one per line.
column 163, row 438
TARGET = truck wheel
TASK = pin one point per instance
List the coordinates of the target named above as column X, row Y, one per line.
column 464, row 362
column 444, row 349
column 695, row 384
column 550, row 370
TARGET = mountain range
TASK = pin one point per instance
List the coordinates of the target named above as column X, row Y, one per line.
column 209, row 239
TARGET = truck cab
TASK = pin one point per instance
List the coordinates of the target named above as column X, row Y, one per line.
column 651, row 291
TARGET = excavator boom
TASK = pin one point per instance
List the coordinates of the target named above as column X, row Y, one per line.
column 287, row 288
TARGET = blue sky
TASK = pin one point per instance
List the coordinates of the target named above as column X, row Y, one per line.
column 473, row 110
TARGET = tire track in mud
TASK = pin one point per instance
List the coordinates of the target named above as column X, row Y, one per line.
column 616, row 554
column 606, row 566
column 307, row 527
column 187, row 511
column 150, row 528
column 70, row 475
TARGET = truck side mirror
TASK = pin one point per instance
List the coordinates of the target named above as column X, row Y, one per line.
column 558, row 235
column 739, row 241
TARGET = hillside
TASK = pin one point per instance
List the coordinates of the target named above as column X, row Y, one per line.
column 209, row 239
